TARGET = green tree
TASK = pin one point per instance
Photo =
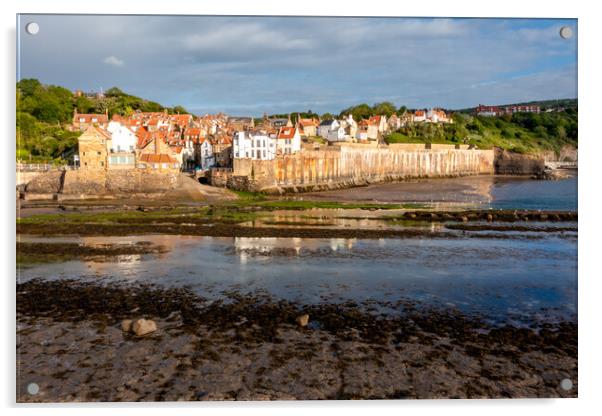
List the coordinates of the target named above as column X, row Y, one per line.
column 385, row 108
column 178, row 109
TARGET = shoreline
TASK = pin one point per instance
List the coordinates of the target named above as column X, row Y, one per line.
column 249, row 347
column 233, row 222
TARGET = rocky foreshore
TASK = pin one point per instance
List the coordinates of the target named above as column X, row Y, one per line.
column 71, row 343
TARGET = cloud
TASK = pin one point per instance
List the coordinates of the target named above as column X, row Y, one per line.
column 278, row 64
column 113, row 61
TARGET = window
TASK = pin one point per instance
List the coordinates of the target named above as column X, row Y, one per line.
column 102, row 163
column 98, row 153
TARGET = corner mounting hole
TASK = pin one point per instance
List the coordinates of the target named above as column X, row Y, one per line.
column 32, row 28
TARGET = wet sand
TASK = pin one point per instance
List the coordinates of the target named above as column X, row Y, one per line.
column 469, row 189
column 70, row 343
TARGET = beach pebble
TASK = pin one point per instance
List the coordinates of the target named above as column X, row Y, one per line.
column 126, row 325
column 303, row 320
column 144, row 326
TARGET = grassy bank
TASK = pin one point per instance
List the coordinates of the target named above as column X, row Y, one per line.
column 521, row 132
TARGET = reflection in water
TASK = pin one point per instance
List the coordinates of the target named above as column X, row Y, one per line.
column 499, row 278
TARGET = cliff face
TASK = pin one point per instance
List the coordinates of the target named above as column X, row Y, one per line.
column 509, row 163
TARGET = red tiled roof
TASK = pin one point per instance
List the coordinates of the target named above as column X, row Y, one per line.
column 308, row 122
column 286, row 132
column 101, row 118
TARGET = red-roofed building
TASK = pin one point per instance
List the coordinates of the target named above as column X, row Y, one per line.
column 81, row 122
column 380, row 122
column 308, row 127
column 289, row 140
column 419, row 115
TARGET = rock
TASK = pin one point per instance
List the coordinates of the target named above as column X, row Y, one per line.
column 303, row 320
column 144, row 326
column 489, row 217
column 464, row 218
column 126, row 325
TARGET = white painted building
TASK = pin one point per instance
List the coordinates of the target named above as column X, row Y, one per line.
column 207, row 158
column 289, row 140
column 122, row 138
column 336, row 135
column 256, row 145
column 326, row 126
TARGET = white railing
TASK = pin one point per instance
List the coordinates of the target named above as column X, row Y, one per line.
column 41, row 167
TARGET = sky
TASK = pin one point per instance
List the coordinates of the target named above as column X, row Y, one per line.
column 255, row 65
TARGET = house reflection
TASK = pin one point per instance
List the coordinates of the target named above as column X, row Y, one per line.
column 253, row 247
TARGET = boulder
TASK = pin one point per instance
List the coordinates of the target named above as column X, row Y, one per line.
column 303, row 320
column 126, row 325
column 143, row 326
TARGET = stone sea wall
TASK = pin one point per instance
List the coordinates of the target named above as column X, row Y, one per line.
column 118, row 182
column 93, row 183
column 354, row 165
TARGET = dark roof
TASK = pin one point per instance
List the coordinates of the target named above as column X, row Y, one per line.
column 327, row 122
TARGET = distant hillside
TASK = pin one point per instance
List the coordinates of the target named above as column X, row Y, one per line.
column 44, row 112
column 543, row 104
column 519, row 132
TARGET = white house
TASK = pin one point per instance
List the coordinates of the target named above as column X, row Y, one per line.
column 257, row 145
column 336, row 135
column 288, row 140
column 350, row 126
column 326, row 126
column 419, row 115
column 123, row 139
column 205, row 149
column 380, row 122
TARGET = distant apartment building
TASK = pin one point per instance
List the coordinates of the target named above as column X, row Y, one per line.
column 493, row 111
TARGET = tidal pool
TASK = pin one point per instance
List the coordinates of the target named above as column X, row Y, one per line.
column 517, row 281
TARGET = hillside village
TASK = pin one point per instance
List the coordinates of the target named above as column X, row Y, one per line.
column 162, row 141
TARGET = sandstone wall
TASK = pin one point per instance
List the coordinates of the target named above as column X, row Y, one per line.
column 351, row 165
column 117, row 182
